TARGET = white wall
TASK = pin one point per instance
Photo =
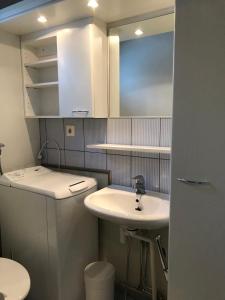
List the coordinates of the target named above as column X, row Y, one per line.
column 20, row 137
column 146, row 76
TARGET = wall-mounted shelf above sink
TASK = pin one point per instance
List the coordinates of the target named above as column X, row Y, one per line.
column 134, row 148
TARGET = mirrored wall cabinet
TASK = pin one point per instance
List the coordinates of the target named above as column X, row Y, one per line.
column 141, row 68
column 65, row 71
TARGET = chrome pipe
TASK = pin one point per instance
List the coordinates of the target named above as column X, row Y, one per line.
column 161, row 256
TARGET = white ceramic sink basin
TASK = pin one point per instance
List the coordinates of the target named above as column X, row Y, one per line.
column 117, row 204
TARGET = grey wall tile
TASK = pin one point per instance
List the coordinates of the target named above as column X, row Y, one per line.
column 42, row 128
column 121, row 169
column 55, row 131
column 75, row 142
column 165, row 176
column 149, row 168
column 74, row 158
column 102, row 179
column 123, row 165
column 95, row 131
column 119, row 131
column 166, row 132
column 44, row 159
column 53, row 157
column 145, row 132
column 43, row 138
column 95, row 160
column 166, row 135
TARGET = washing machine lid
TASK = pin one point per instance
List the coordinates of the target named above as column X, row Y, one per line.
column 41, row 180
column 15, row 280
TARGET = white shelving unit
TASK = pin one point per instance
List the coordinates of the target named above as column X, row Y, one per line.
column 40, row 68
column 43, row 85
column 133, row 148
column 65, row 71
column 43, row 63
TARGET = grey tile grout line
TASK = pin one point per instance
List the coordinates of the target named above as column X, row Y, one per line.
column 64, row 141
column 160, row 132
column 131, row 140
column 40, row 136
column 106, row 137
column 39, row 121
column 84, row 141
column 46, row 138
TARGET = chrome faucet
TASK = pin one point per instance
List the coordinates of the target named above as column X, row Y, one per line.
column 1, row 146
column 139, row 185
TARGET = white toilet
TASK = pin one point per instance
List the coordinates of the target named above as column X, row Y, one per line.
column 14, row 280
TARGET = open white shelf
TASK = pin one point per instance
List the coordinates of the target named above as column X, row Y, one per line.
column 40, row 70
column 135, row 148
column 42, row 85
column 44, row 63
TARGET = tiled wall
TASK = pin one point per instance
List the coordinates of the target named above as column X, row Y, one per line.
column 124, row 165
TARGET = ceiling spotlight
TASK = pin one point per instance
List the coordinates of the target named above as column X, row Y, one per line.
column 42, row 19
column 93, row 4
column 138, row 32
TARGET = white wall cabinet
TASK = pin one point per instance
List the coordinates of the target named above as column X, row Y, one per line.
column 65, row 71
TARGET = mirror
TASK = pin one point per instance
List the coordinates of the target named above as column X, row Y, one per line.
column 141, row 68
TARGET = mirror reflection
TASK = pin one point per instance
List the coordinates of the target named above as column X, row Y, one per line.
column 141, row 68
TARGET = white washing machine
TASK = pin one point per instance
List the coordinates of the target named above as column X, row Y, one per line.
column 45, row 227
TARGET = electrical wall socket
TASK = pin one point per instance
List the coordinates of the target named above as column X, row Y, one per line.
column 70, row 130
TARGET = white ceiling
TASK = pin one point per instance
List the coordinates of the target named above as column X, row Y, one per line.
column 69, row 10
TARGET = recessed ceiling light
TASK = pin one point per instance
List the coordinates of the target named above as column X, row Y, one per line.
column 42, row 19
column 93, row 3
column 138, row 32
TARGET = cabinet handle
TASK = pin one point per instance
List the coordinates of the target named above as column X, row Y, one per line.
column 194, row 182
column 80, row 111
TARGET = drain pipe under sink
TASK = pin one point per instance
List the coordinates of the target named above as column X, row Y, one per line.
column 151, row 242
column 134, row 234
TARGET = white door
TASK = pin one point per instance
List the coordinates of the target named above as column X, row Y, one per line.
column 197, row 223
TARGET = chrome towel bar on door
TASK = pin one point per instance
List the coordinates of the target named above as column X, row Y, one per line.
column 193, row 182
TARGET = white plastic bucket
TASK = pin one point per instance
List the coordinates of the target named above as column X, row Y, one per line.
column 99, row 280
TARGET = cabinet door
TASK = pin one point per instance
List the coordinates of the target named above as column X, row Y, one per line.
column 197, row 222
column 99, row 55
column 74, row 71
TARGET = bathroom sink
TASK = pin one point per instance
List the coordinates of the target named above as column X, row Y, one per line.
column 118, row 204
